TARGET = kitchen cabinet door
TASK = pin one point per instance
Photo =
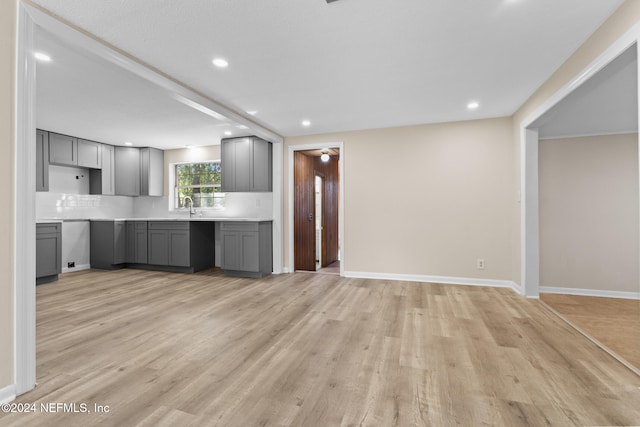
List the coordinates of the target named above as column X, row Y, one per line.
column 63, row 150
column 151, row 172
column 103, row 180
column 261, row 161
column 131, row 237
column 158, row 247
column 127, row 171
column 140, row 246
column 179, row 255
column 89, row 154
column 119, row 242
column 48, row 252
column 42, row 160
column 230, row 245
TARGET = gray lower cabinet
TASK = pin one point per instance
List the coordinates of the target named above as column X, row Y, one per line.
column 183, row 244
column 246, row 164
column 103, row 180
column 42, row 160
column 108, row 244
column 162, row 245
column 246, row 248
column 63, row 150
column 127, row 170
column 137, row 241
column 48, row 252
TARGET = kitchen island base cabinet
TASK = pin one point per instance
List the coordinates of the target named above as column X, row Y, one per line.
column 246, row 249
column 48, row 252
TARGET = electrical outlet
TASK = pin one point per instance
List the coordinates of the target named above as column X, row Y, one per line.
column 480, row 264
column 71, row 264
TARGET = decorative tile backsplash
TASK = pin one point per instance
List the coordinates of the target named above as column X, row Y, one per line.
column 88, row 206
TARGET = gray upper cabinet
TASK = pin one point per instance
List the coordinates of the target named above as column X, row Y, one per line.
column 63, row 150
column 103, row 180
column 42, row 160
column 127, row 168
column 89, row 154
column 246, row 165
column 151, row 172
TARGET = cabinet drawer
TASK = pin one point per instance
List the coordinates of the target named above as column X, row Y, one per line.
column 239, row 226
column 48, row 228
column 168, row 225
column 140, row 225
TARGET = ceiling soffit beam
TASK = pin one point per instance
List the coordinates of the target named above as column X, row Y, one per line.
column 86, row 41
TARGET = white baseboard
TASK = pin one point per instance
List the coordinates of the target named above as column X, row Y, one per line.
column 447, row 280
column 7, row 394
column 589, row 292
column 76, row 268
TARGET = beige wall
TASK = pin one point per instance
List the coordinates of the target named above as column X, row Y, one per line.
column 627, row 15
column 195, row 154
column 589, row 234
column 7, row 190
column 426, row 200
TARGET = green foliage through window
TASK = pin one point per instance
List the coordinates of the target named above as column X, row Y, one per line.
column 201, row 182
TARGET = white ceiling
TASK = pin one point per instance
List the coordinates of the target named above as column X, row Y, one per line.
column 82, row 95
column 352, row 64
column 607, row 103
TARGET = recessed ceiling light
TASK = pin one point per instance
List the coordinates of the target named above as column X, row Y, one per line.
column 128, row 143
column 306, row 123
column 228, row 133
column 473, row 105
column 252, row 113
column 42, row 56
column 220, row 63
column 242, row 127
column 189, row 146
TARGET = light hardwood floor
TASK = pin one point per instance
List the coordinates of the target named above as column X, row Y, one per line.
column 612, row 321
column 165, row 349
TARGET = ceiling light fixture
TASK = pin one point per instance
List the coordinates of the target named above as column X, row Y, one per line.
column 252, row 113
column 128, row 143
column 306, row 123
column 42, row 57
column 325, row 157
column 220, row 62
column 473, row 105
column 189, row 146
column 228, row 132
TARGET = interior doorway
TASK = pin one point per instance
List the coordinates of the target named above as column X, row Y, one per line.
column 316, row 210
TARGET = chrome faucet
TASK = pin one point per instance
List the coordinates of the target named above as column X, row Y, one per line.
column 191, row 210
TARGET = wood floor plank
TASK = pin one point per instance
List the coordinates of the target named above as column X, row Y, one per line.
column 310, row 349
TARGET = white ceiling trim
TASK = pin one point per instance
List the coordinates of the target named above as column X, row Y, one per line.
column 80, row 39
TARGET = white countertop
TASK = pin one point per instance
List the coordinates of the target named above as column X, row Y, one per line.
column 58, row 220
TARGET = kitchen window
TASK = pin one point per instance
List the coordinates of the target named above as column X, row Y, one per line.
column 201, row 182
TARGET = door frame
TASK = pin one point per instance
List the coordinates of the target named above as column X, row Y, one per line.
column 529, row 142
column 290, row 204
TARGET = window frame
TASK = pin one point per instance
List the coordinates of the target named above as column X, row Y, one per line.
column 174, row 188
